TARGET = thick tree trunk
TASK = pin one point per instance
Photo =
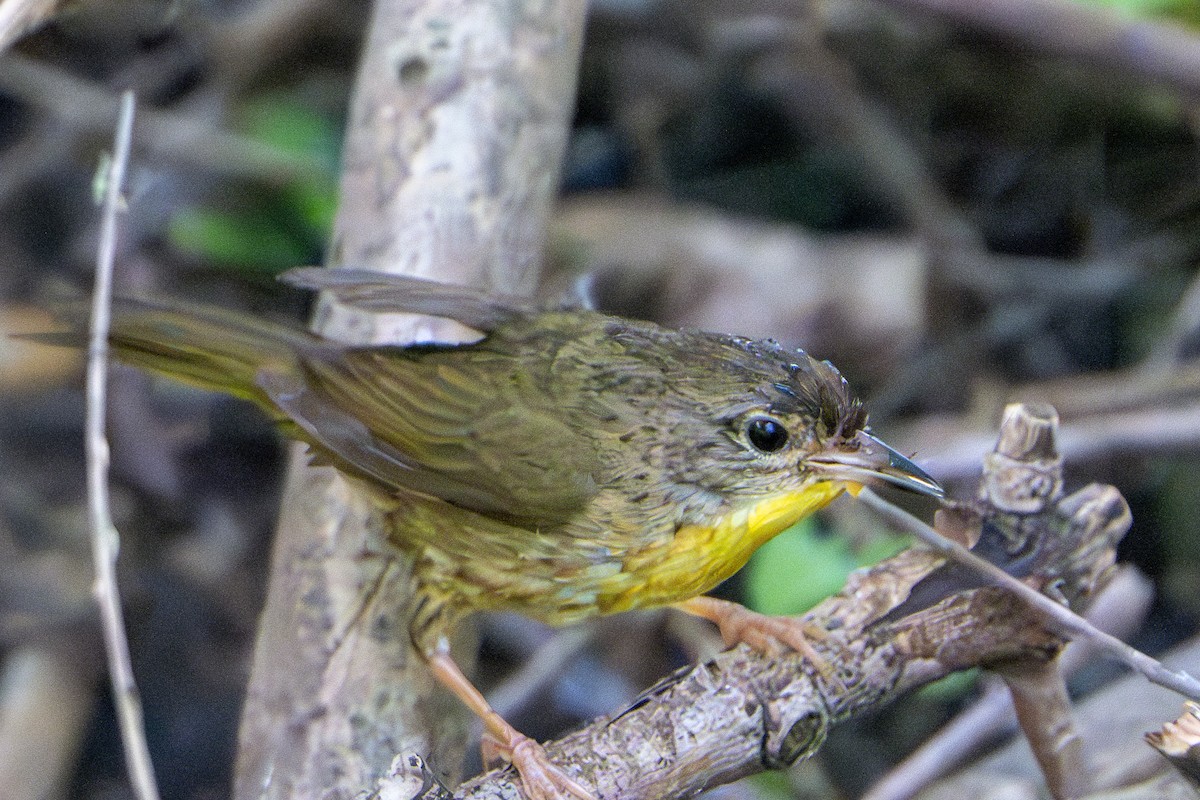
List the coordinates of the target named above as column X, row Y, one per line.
column 453, row 147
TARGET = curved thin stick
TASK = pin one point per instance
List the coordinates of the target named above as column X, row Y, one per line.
column 105, row 539
column 1063, row 619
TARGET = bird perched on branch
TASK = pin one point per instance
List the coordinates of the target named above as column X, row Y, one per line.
column 568, row 464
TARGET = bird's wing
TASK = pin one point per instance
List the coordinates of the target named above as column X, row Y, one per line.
column 455, row 428
column 384, row 292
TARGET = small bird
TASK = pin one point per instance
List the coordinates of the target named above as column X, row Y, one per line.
column 568, row 464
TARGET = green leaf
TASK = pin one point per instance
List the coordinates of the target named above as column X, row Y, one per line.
column 315, row 203
column 951, row 688
column 803, row 565
column 243, row 240
column 285, row 124
column 796, row 570
column 772, row 785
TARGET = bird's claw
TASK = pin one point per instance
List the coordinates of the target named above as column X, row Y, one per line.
column 771, row 636
column 541, row 779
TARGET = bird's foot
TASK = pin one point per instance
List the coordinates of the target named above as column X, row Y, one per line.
column 541, row 779
column 771, row 636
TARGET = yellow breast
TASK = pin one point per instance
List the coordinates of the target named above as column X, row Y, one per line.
column 700, row 556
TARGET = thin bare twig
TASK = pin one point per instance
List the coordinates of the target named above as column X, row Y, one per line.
column 543, row 666
column 81, row 105
column 1060, row 618
column 105, row 539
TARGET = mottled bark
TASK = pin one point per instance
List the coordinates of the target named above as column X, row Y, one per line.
column 452, row 151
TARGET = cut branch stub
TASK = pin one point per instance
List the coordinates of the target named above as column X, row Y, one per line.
column 1065, row 546
column 1023, row 475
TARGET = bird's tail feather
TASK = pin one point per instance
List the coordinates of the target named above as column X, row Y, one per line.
column 201, row 345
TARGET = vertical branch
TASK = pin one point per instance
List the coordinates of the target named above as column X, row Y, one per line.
column 105, row 540
column 455, row 135
column 1043, row 708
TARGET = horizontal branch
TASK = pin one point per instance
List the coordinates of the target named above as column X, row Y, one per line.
column 894, row 627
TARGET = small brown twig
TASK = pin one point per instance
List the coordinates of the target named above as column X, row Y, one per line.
column 105, row 539
column 1177, row 742
column 1039, row 696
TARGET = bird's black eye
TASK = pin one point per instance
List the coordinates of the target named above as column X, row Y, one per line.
column 766, row 434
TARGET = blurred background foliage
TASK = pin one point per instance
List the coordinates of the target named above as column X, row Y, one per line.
column 954, row 215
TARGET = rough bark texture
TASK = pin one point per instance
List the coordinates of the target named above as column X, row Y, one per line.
column 455, row 134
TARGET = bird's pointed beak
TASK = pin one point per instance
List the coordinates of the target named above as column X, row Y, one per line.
column 865, row 459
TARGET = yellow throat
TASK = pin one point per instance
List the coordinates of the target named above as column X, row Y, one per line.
column 700, row 556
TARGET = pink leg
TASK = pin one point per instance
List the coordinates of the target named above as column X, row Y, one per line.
column 540, row 778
